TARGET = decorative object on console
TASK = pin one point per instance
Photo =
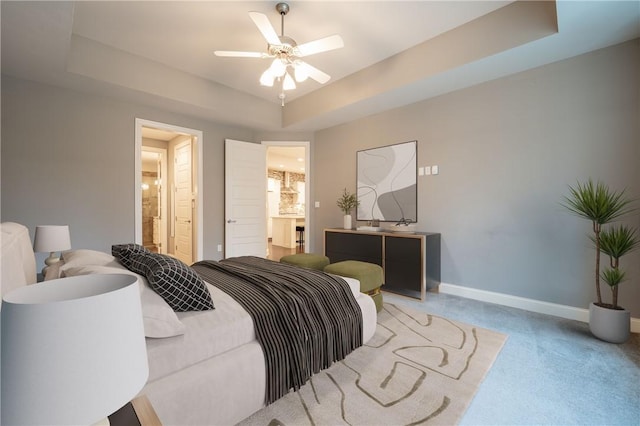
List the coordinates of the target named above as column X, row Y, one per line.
column 347, row 202
column 387, row 183
column 73, row 349
column 597, row 203
column 51, row 239
column 404, row 226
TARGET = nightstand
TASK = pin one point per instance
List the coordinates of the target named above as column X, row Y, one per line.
column 138, row 412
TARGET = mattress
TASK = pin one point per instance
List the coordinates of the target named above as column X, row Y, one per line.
column 207, row 334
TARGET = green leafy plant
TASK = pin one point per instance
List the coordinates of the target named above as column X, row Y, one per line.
column 347, row 202
column 597, row 203
column 616, row 242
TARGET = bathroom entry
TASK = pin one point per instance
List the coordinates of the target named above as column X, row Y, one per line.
column 168, row 211
column 154, row 199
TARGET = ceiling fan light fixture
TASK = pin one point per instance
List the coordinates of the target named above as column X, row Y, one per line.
column 288, row 83
column 300, row 72
column 278, row 68
column 267, row 78
column 286, row 54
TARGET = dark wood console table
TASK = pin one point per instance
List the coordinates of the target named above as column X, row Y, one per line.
column 411, row 262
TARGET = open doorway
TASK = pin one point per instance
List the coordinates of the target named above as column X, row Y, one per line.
column 154, row 198
column 288, row 225
column 168, row 216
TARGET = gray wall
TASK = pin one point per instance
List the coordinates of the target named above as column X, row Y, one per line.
column 507, row 150
column 68, row 158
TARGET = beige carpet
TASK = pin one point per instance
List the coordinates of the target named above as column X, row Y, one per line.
column 417, row 369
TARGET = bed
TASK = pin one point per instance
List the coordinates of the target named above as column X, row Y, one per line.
column 206, row 367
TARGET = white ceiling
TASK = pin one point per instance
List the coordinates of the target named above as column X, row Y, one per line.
column 290, row 159
column 161, row 53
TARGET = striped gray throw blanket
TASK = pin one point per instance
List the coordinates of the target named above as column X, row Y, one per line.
column 305, row 320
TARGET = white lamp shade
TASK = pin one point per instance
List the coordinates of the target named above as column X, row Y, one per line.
column 288, row 83
column 73, row 350
column 266, row 79
column 278, row 68
column 51, row 238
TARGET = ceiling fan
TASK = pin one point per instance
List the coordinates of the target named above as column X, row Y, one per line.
column 286, row 54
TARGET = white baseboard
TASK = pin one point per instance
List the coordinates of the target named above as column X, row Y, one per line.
column 562, row 311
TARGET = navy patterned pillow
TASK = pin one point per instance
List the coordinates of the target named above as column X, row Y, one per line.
column 178, row 284
column 124, row 252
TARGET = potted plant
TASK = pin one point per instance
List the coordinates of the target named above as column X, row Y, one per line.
column 347, row 202
column 595, row 202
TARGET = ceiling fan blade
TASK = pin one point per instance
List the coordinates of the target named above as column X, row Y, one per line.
column 265, row 27
column 313, row 72
column 320, row 45
column 235, row 54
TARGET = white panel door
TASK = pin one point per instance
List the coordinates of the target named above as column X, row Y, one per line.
column 245, row 204
column 183, row 203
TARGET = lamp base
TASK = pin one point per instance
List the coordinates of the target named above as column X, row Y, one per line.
column 49, row 261
column 103, row 422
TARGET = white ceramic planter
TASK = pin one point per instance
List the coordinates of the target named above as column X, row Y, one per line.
column 610, row 325
column 347, row 221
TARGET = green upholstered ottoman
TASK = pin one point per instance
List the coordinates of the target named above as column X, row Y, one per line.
column 369, row 274
column 306, row 260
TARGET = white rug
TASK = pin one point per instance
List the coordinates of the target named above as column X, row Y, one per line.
column 417, row 369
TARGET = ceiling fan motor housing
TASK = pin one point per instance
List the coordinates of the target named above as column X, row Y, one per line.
column 286, row 48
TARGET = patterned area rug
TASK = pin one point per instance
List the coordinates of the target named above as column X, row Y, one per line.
column 417, row 369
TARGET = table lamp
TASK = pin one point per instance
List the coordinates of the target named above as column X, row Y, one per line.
column 73, row 350
column 51, row 238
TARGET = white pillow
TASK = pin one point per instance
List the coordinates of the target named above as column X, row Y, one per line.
column 158, row 317
column 83, row 257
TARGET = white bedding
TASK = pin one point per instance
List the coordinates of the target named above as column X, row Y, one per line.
column 209, row 333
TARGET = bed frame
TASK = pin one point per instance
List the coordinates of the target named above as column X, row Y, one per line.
column 224, row 389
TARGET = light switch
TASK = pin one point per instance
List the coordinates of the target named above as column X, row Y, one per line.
column 427, row 170
column 317, row 204
column 434, row 170
column 219, row 247
column 421, row 171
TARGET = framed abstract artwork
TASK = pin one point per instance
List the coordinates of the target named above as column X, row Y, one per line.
column 387, row 183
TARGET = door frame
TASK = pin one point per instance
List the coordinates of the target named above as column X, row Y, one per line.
column 198, row 134
column 308, row 236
